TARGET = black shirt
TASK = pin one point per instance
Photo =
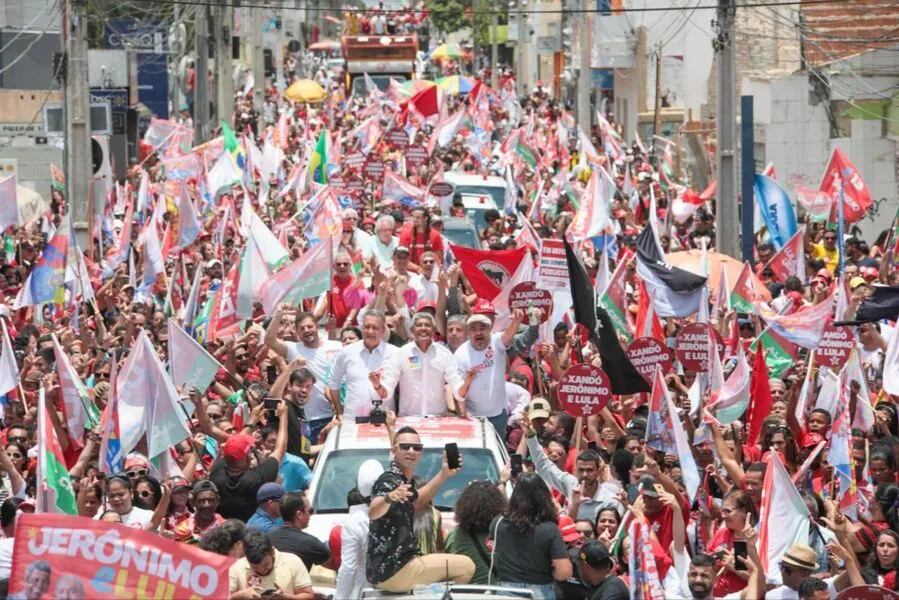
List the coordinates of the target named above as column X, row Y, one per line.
column 295, row 541
column 237, row 493
column 611, row 588
column 526, row 555
column 391, row 542
column 298, row 442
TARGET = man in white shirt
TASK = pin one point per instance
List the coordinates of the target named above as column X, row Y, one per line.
column 381, row 245
column 485, row 352
column 517, row 397
column 422, row 369
column 354, row 535
column 426, row 285
column 356, row 361
column 319, row 354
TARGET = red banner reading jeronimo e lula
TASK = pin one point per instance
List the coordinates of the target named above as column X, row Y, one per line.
column 61, row 556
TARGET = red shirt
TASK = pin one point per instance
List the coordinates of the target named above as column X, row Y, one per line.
column 418, row 245
column 728, row 582
column 662, row 522
column 336, row 305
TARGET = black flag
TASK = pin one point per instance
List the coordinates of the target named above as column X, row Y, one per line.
column 883, row 303
column 675, row 292
column 623, row 376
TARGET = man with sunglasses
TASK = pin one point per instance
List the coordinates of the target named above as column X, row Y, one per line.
column 826, row 251
column 394, row 560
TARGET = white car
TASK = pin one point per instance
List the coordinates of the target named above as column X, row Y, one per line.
column 350, row 444
column 479, row 194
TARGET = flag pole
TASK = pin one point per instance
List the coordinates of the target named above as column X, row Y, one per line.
column 840, row 225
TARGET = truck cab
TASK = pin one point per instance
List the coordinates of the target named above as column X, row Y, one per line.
column 383, row 57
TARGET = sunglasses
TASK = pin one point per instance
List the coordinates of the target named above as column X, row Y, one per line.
column 406, row 446
column 137, row 474
column 16, row 438
column 144, row 493
column 427, row 262
column 342, row 264
column 830, row 238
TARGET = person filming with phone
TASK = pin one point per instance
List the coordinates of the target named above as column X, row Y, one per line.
column 394, row 560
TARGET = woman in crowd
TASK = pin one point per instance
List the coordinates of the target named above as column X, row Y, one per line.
column 479, row 504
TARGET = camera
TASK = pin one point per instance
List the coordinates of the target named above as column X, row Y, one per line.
column 377, row 416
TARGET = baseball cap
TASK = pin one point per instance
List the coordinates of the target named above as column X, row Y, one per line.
column 204, row 485
column 270, row 491
column 646, row 486
column 569, row 529
column 401, row 250
column 177, row 483
column 483, row 307
column 870, row 273
column 238, row 446
column 824, row 274
column 478, row 319
column 811, row 439
column 135, row 460
column 595, row 554
column 857, row 282
column 213, row 262
column 538, row 409
column 425, row 304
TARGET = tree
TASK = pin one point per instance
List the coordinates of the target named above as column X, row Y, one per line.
column 448, row 16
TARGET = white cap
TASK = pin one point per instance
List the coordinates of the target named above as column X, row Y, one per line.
column 369, row 471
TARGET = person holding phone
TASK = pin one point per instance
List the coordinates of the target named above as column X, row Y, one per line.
column 739, row 512
column 394, row 562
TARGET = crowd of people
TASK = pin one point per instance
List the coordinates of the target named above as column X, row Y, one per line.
column 586, row 507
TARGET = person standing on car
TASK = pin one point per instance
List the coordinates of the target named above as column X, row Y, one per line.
column 394, row 561
column 422, row 370
column 357, row 361
column 485, row 352
column 525, row 536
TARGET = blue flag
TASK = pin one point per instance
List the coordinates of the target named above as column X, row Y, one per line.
column 776, row 209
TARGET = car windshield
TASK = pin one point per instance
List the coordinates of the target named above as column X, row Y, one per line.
column 382, row 81
column 461, row 236
column 341, row 467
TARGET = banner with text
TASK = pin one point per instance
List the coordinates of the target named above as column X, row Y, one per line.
column 75, row 557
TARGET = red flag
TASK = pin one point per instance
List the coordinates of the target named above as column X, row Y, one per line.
column 223, row 320
column 426, row 101
column 648, row 323
column 487, row 271
column 790, row 260
column 841, row 173
column 760, row 402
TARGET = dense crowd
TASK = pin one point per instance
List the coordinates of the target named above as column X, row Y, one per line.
column 404, row 328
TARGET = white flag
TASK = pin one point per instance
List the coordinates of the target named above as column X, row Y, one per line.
column 190, row 364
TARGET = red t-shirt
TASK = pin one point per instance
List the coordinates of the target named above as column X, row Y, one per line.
column 663, row 525
column 336, row 305
column 728, row 582
column 418, row 245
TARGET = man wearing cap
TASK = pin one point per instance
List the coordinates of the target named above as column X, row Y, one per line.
column 485, row 353
column 236, row 482
column 521, row 342
column 422, row 370
column 355, row 362
column 318, row 355
column 799, row 563
column 268, row 513
column 354, row 534
column 204, row 518
column 587, row 489
column 594, row 566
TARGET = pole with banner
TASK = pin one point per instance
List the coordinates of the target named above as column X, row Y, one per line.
column 840, row 225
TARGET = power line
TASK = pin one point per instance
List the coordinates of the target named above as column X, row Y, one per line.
column 27, row 28
column 502, row 12
column 36, row 39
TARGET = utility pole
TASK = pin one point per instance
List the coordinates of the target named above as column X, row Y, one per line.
column 201, row 75
column 257, row 62
column 584, row 76
column 657, row 115
column 519, row 49
column 224, row 82
column 727, row 217
column 474, row 38
column 78, row 123
column 494, row 51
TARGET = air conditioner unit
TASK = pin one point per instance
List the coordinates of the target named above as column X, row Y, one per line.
column 100, row 119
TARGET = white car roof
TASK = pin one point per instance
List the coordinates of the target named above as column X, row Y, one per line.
column 463, row 179
column 434, row 432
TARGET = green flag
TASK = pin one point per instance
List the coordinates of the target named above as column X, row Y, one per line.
column 55, row 494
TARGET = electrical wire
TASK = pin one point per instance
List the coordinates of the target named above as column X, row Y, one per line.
column 27, row 28
column 36, row 39
column 44, row 102
column 503, row 12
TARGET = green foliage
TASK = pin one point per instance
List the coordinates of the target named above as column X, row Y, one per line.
column 448, row 16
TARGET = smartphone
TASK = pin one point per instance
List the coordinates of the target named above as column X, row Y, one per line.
column 516, row 463
column 591, row 445
column 740, row 551
column 271, row 403
column 267, row 592
column 452, row 455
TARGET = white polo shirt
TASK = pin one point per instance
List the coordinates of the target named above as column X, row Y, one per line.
column 351, row 367
column 422, row 377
